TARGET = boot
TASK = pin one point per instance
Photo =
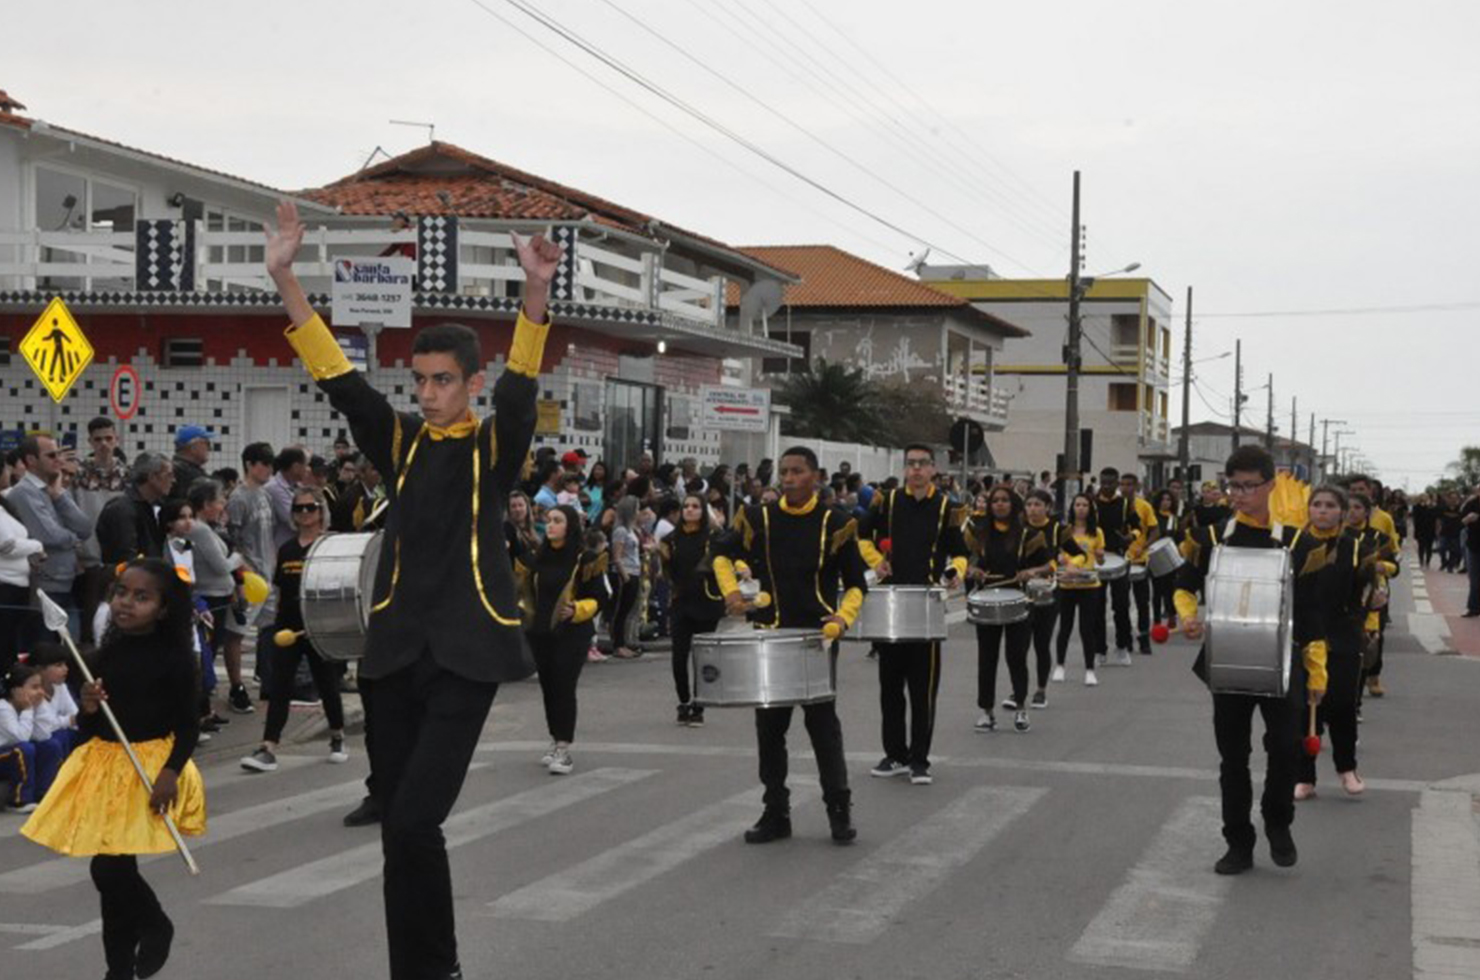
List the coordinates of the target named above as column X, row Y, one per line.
column 154, row 946
column 1236, row 861
column 773, row 825
column 839, row 819
column 1281, row 846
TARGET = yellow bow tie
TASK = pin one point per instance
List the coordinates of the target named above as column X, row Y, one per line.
column 457, row 430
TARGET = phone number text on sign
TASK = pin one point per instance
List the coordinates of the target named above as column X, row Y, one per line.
column 373, row 291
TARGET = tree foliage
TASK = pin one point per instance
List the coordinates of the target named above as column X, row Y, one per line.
column 842, row 404
column 1466, row 469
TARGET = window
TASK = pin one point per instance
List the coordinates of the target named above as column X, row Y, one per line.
column 248, row 256
column 785, row 365
column 76, row 204
column 1123, row 396
column 1125, row 329
column 183, row 352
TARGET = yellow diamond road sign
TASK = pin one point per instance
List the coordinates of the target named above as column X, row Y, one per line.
column 56, row 349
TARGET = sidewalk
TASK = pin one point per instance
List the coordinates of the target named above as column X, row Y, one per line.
column 1446, row 597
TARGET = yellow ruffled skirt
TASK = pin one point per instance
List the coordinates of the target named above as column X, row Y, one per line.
column 98, row 804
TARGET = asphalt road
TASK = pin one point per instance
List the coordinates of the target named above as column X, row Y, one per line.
column 1080, row 849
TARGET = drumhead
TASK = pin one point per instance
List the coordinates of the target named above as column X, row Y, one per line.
column 737, row 637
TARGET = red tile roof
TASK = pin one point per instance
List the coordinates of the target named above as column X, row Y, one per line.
column 835, row 279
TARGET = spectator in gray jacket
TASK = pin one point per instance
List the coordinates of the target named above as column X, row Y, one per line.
column 51, row 517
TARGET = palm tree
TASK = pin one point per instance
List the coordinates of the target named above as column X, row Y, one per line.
column 1467, row 467
column 830, row 401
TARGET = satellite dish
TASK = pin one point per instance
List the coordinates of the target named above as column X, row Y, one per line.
column 917, row 261
column 762, row 299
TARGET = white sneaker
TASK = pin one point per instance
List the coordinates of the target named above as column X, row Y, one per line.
column 1090, row 680
column 986, row 722
column 1058, row 674
column 561, row 763
column 549, row 755
column 1122, row 658
column 337, row 754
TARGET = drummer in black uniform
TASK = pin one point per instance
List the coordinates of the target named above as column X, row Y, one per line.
column 1250, row 472
column 445, row 623
column 803, row 554
column 1118, row 519
column 911, row 536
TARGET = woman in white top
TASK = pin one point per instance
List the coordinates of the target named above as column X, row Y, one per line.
column 17, row 548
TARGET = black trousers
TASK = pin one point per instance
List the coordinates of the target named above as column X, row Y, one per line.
column 1042, row 621
column 912, row 668
column 1090, row 605
column 283, row 678
column 1141, row 591
column 15, row 618
column 427, row 724
column 559, row 657
column 628, row 589
column 826, row 733
column 1233, row 722
column 1120, row 603
column 1338, row 711
column 1425, row 549
column 1163, row 609
column 129, row 906
column 988, row 647
column 682, row 629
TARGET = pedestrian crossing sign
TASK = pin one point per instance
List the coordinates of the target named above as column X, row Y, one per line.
column 57, row 349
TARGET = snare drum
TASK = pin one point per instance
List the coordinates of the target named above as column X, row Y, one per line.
column 902, row 613
column 1041, row 591
column 1250, row 601
column 763, row 668
column 1113, row 567
column 338, row 582
column 1163, row 557
column 1139, row 573
column 996, row 607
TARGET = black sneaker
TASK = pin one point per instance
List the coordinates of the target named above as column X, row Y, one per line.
column 773, row 825
column 260, row 761
column 920, row 775
column 840, row 821
column 367, row 813
column 218, row 719
column 240, row 701
column 684, row 711
column 1020, row 721
column 209, row 726
column 1143, row 643
column 696, row 717
column 1281, row 846
column 1009, row 703
column 1235, row 862
column 154, row 947
column 889, row 767
column 1040, row 699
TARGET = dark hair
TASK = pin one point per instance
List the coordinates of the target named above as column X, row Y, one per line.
column 591, row 478
column 1042, row 495
column 99, row 423
column 1160, row 495
column 668, row 504
column 31, row 446
column 804, row 453
column 17, row 676
column 202, row 493
column 170, row 510
column 287, row 458
column 177, row 629
column 1091, row 521
column 341, row 441
column 46, row 653
column 1128, row 475
column 257, row 452
column 1360, row 498
column 920, row 447
column 455, row 339
column 1360, row 478
column 1014, row 501
column 1334, row 491
column 1109, row 471
column 1250, row 459
column 573, row 527
column 226, row 475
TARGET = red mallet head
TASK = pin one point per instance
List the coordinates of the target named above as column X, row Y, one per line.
column 1312, row 745
column 1160, row 633
column 886, row 545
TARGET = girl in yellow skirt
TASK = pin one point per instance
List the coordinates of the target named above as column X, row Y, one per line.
column 146, row 669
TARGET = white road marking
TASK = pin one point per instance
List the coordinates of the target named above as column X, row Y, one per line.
column 576, row 890
column 61, row 937
column 1159, row 916
column 30, row 929
column 863, row 902
column 318, row 879
column 1446, row 886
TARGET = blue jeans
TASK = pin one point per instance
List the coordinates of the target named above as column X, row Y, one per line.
column 18, row 768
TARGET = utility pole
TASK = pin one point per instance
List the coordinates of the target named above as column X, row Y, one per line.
column 1294, row 431
column 1184, row 458
column 1070, row 477
column 1238, row 390
column 1269, row 419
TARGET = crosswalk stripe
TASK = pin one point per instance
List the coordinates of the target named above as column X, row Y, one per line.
column 61, row 872
column 60, row 937
column 859, row 906
column 1158, row 917
column 567, row 894
column 357, row 865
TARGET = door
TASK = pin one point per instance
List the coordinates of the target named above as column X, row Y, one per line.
column 633, row 416
column 267, row 415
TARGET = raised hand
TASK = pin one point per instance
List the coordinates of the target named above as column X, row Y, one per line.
column 283, row 244
column 538, row 257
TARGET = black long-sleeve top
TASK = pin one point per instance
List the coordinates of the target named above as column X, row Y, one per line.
column 152, row 693
column 1002, row 549
column 1117, row 518
column 687, row 561
column 288, row 577
column 556, row 572
column 924, row 534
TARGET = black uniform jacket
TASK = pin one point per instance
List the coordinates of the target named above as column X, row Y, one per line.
column 924, row 534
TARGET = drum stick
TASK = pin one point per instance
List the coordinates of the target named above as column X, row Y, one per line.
column 286, row 638
column 56, row 621
column 1161, row 632
column 1312, row 740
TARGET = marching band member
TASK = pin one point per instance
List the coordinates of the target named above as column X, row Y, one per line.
column 802, row 553
column 1250, row 473
column 1119, row 522
column 1368, row 489
column 1081, row 548
column 1212, row 509
column 1130, row 489
column 1007, row 554
column 697, row 605
column 925, row 547
column 1037, row 511
column 1378, row 543
column 1164, row 524
column 445, row 625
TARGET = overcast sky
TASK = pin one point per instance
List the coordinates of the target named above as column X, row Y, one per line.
column 1275, row 156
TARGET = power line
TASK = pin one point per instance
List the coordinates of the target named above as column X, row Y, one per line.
column 1359, row 310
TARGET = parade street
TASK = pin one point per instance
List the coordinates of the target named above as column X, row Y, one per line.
column 1083, row 848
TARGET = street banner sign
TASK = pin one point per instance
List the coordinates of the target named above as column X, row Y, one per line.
column 735, row 409
column 57, row 349
column 372, row 291
column 125, row 392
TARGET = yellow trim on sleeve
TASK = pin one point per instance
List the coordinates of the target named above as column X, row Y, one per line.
column 724, row 574
column 871, row 555
column 1186, row 604
column 851, row 604
column 527, row 351
column 1315, row 665
column 585, row 610
column 316, row 347
column 959, row 564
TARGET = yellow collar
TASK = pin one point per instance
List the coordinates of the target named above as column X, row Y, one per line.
column 798, row 511
column 1001, row 525
column 1248, row 521
column 1320, row 535
column 457, row 430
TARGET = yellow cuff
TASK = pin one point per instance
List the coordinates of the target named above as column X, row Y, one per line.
column 959, row 564
column 724, row 574
column 871, row 555
column 1374, row 622
column 585, row 610
column 527, row 351
column 1315, row 665
column 848, row 608
column 318, row 350
column 1186, row 604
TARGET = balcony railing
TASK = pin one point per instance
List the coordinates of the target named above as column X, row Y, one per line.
column 977, row 397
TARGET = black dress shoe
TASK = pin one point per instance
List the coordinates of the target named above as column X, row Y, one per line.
column 841, row 822
column 154, row 947
column 1236, row 861
column 1281, row 846
column 773, row 825
column 367, row 813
